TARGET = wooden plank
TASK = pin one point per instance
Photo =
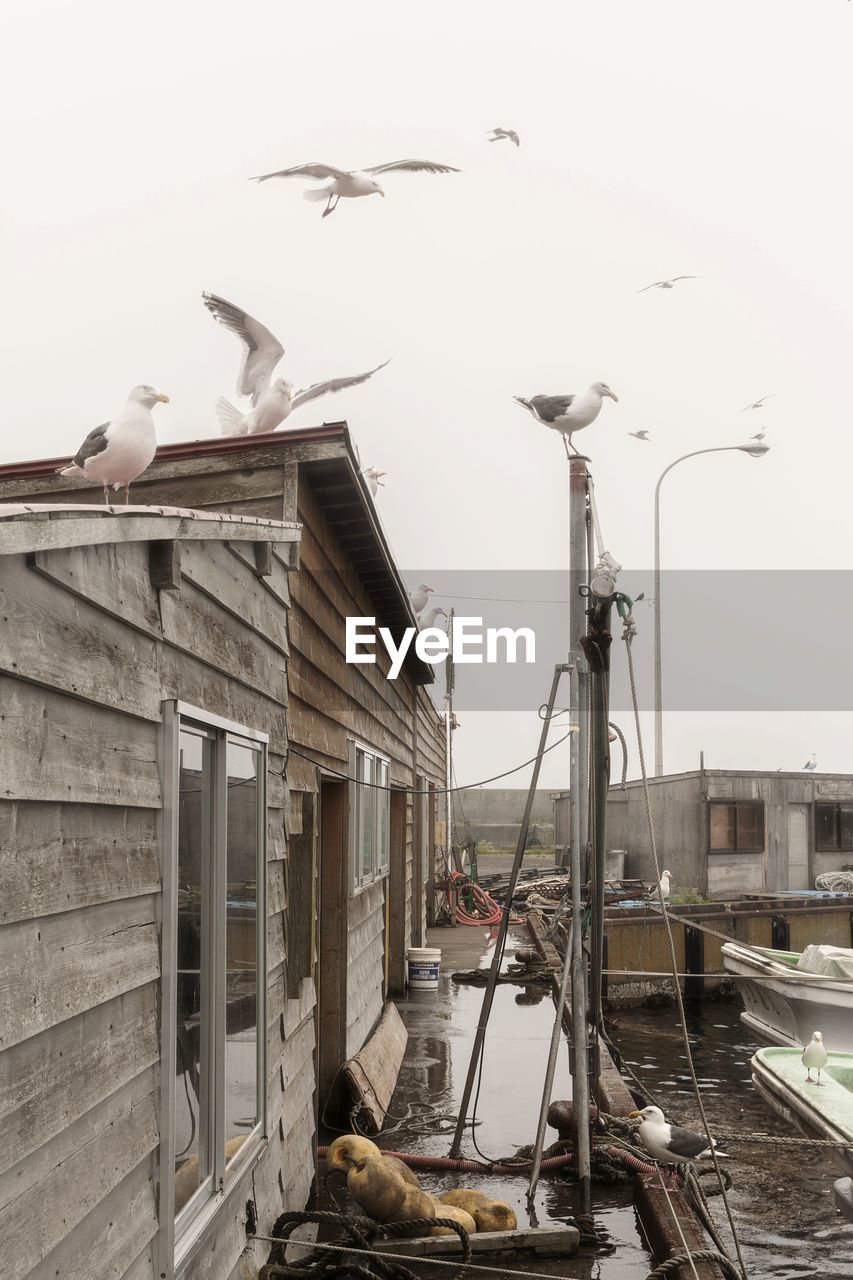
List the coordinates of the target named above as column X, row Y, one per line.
column 56, row 968
column 302, row 896
column 57, row 748
column 372, row 1073
column 547, row 1242
column 51, row 1080
column 114, row 577
column 656, row 1217
column 231, row 583
column 276, row 583
column 62, row 857
column 74, row 1174
column 196, row 682
column 53, row 638
column 164, row 565
column 39, row 534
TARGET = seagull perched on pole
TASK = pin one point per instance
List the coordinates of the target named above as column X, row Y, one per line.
column 373, row 478
column 272, row 401
column 639, row 435
column 814, row 1057
column 669, row 1143
column 509, row 134
column 419, row 597
column 759, row 435
column 429, row 619
column 351, row 183
column 758, row 404
column 665, row 284
column 811, row 763
column 117, row 452
column 568, row 414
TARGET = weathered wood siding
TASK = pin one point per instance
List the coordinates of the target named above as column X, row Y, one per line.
column 88, row 652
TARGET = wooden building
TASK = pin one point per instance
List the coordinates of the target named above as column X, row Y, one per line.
column 177, row 716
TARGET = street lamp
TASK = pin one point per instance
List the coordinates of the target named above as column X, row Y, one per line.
column 756, row 450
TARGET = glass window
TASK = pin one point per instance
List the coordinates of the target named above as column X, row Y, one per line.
column 845, row 827
column 723, row 826
column 736, row 827
column 826, row 828
column 371, row 822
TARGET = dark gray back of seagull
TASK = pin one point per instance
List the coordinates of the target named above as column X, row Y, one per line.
column 95, row 442
column 550, row 408
column 685, row 1144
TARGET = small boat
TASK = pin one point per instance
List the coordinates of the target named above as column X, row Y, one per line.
column 788, row 995
column 818, row 1111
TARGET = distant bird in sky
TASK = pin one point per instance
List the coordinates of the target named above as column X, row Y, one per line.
column 351, row 183
column 419, row 597
column 758, row 404
column 373, row 478
column 510, row 134
column 117, row 452
column 811, row 763
column 665, row 284
column 568, row 414
column 272, row 401
column 814, row 1057
column 759, row 435
column 669, row 1143
column 429, row 619
column 639, row 435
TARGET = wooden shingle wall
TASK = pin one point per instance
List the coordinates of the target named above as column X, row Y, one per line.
column 88, row 651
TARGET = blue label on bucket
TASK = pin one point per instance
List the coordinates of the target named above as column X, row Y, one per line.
column 424, row 970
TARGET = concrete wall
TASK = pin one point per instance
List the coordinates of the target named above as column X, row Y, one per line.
column 495, row 814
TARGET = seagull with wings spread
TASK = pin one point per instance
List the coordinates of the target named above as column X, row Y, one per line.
column 272, row 401
column 665, row 284
column 351, row 183
column 499, row 134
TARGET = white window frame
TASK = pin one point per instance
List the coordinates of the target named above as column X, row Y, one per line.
column 179, row 1239
column 379, row 798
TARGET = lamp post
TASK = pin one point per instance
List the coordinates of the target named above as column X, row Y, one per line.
column 756, row 450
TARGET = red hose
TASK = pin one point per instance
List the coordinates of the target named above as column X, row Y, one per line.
column 488, row 912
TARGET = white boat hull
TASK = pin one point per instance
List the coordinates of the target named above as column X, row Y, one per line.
column 808, row 1114
column 786, row 1005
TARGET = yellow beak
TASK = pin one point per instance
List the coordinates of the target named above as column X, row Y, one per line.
column 164, row 399
column 613, row 396
column 633, row 1115
column 382, row 193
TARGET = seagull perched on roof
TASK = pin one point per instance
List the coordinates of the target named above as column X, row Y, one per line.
column 758, row 404
column 814, row 1057
column 568, row 414
column 272, row 401
column 669, row 1143
column 509, row 134
column 419, row 597
column 374, row 479
column 639, row 435
column 117, row 452
column 665, row 284
column 351, row 183
column 811, row 763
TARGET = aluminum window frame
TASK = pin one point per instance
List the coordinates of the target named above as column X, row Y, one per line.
column 181, row 1236
column 730, row 803
column 381, row 858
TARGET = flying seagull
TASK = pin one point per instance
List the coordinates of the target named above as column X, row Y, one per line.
column 373, row 478
column 639, row 435
column 811, row 763
column 351, row 183
column 814, row 1057
column 665, row 284
column 272, row 401
column 669, row 1143
column 418, row 598
column 510, row 134
column 758, row 404
column 117, row 452
column 568, row 414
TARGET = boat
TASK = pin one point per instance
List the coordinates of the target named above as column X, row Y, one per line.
column 818, row 1111
column 788, row 995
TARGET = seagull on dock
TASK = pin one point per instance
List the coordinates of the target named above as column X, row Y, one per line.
column 814, row 1057
column 664, row 886
column 117, row 452
column 272, row 401
column 568, row 414
column 811, row 763
column 758, row 404
column 499, row 134
column 669, row 1143
column 374, row 479
column 640, row 435
column 351, row 183
column 419, row 597
column 666, row 284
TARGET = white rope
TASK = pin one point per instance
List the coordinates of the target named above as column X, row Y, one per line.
column 599, row 540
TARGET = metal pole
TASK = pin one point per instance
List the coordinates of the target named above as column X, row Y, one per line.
column 451, row 855
column 503, row 928
column 597, row 648
column 549, row 1071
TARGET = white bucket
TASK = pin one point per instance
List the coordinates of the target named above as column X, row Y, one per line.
column 424, row 965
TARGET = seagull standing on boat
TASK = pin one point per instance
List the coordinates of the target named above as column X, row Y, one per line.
column 669, row 1143
column 814, row 1057
column 568, row 414
column 351, row 183
column 811, row 763
column 117, row 452
column 374, row 479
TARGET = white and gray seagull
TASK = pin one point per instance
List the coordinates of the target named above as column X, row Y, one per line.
column 811, row 764
column 351, row 183
column 568, row 414
column 116, row 453
column 758, row 404
column 665, row 284
column 419, row 597
column 272, row 400
column 669, row 1143
column 499, row 134
column 639, row 435
column 374, row 479
column 759, row 435
column 814, row 1057
column 429, row 619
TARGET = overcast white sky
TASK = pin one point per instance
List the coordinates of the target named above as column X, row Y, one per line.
column 657, row 138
